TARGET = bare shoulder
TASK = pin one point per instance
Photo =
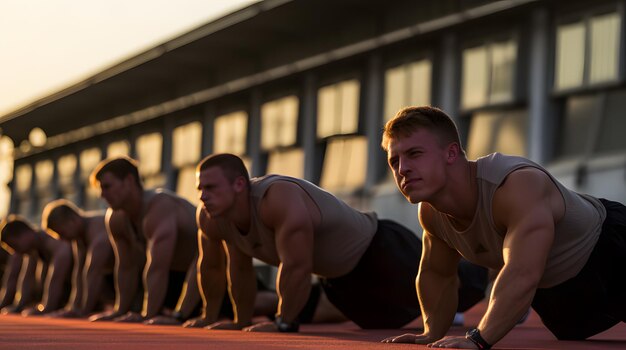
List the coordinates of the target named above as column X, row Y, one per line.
column 117, row 221
column 426, row 214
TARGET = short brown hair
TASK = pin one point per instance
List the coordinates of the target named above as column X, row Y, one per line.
column 120, row 167
column 58, row 211
column 231, row 165
column 14, row 225
column 410, row 119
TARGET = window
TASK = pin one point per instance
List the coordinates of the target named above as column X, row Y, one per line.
column 500, row 131
column 23, row 180
column 345, row 164
column 338, row 109
column 287, row 162
column 118, row 148
column 279, row 132
column 44, row 171
column 6, row 173
column 407, row 85
column 149, row 151
column 587, row 51
column 230, row 135
column 88, row 160
column 611, row 137
column 337, row 123
column 578, row 121
column 489, row 74
column 66, row 169
column 187, row 144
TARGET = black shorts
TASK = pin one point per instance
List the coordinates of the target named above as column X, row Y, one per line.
column 380, row 291
column 595, row 299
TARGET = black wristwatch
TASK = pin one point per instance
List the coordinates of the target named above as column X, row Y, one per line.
column 285, row 327
column 474, row 336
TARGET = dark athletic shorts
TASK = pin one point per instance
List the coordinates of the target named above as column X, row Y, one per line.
column 380, row 291
column 595, row 299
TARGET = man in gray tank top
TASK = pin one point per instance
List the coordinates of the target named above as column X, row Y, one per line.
column 367, row 266
column 562, row 252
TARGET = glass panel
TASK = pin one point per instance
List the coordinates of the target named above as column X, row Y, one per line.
column 279, row 122
column 345, row 164
column 186, row 183
column 286, row 162
column 474, row 93
column 605, row 31
column 89, row 158
column 187, row 144
column 395, row 89
column 502, row 131
column 23, row 178
column 611, row 136
column 149, row 150
column 66, row 168
column 570, row 55
column 502, row 71
column 512, row 135
column 420, row 77
column 338, row 109
column 326, row 111
column 349, row 111
column 579, row 114
column 480, row 140
column 407, row 85
column 118, row 148
column 230, row 133
column 44, row 171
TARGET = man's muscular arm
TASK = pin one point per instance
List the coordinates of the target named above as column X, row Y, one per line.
column 211, row 271
column 437, row 286
column 126, row 265
column 161, row 232
column 284, row 210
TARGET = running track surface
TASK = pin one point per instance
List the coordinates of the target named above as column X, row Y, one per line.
column 18, row 332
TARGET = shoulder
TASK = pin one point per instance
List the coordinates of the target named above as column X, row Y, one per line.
column 426, row 215
column 529, row 180
column 116, row 220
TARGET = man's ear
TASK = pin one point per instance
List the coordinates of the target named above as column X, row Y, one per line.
column 239, row 184
column 454, row 151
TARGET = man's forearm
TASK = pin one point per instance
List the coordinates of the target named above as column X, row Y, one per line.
column 213, row 285
column 126, row 287
column 93, row 284
column 438, row 296
column 155, row 291
column 294, row 287
column 510, row 299
column 243, row 292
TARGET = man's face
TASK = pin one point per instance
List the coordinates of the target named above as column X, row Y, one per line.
column 113, row 189
column 217, row 192
column 418, row 164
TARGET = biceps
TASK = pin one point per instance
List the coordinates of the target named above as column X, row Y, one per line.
column 438, row 257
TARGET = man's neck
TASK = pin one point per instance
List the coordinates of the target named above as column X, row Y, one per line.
column 240, row 212
column 459, row 198
column 134, row 205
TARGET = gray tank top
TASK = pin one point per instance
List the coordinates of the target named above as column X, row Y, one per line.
column 341, row 238
column 481, row 243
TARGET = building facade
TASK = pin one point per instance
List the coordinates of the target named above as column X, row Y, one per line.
column 304, row 88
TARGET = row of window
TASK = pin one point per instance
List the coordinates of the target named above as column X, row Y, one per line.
column 587, row 53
